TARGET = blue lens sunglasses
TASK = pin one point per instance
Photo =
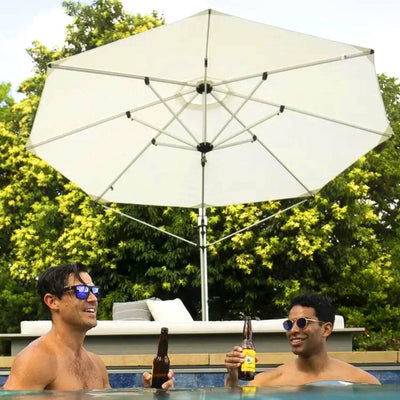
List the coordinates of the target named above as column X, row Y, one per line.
column 82, row 291
column 300, row 322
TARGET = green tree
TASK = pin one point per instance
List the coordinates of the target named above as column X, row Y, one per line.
column 44, row 219
column 6, row 102
column 103, row 22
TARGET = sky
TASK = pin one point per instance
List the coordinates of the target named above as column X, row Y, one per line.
column 367, row 23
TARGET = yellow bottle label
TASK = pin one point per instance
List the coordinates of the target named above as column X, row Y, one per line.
column 249, row 391
column 249, row 363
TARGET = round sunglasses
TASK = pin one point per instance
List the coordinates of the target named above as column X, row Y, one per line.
column 82, row 291
column 301, row 323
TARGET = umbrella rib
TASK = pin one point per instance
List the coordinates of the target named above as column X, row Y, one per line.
column 118, row 74
column 373, row 131
column 286, row 168
column 149, row 225
column 343, row 57
column 160, row 131
column 254, row 137
column 258, row 222
column 102, row 121
column 174, row 146
column 77, row 130
column 152, row 142
column 252, row 140
column 155, row 103
column 314, row 115
column 175, row 115
column 180, row 112
column 247, row 129
column 233, row 115
column 110, row 186
column 281, row 109
column 222, row 104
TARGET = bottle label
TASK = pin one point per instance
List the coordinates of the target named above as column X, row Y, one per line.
column 249, row 391
column 249, row 363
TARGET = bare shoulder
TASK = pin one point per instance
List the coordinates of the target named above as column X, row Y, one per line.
column 39, row 349
column 353, row 374
column 33, row 368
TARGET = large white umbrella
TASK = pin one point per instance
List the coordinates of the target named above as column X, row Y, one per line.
column 209, row 111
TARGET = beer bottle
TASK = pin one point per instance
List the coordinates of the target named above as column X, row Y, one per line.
column 247, row 369
column 160, row 367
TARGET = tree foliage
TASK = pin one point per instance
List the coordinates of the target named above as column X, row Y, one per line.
column 344, row 242
column 44, row 219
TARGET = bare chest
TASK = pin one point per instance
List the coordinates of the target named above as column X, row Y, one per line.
column 77, row 374
column 297, row 378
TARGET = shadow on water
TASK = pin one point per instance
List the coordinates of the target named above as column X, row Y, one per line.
column 314, row 392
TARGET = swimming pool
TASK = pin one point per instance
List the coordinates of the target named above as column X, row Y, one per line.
column 128, row 379
column 354, row 392
column 122, row 379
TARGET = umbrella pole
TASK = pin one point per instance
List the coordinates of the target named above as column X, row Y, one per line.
column 202, row 222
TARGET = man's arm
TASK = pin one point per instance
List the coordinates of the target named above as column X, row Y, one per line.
column 31, row 370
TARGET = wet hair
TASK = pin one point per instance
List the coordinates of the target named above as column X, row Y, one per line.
column 55, row 279
column 324, row 310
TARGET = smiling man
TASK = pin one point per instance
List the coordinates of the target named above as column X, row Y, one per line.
column 309, row 324
column 58, row 360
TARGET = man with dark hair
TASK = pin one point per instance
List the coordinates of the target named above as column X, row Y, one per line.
column 58, row 360
column 309, row 324
column 324, row 310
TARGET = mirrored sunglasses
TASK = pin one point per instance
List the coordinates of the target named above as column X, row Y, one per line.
column 300, row 322
column 82, row 291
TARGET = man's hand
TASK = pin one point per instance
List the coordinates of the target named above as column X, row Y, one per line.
column 166, row 385
column 233, row 360
column 146, row 379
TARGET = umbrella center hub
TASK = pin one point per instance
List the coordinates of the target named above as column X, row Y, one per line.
column 196, row 99
column 201, row 87
column 204, row 147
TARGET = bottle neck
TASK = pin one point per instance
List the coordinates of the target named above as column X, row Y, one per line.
column 163, row 344
column 247, row 330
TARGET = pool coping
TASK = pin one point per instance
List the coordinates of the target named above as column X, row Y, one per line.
column 217, row 359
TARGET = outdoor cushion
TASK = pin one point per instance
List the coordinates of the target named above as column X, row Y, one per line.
column 153, row 327
column 132, row 311
column 169, row 310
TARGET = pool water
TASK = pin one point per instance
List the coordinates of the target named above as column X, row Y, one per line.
column 312, row 392
column 124, row 380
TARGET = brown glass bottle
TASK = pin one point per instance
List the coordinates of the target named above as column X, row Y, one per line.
column 160, row 368
column 247, row 370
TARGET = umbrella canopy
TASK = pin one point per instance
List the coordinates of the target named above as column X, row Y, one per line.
column 209, row 111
